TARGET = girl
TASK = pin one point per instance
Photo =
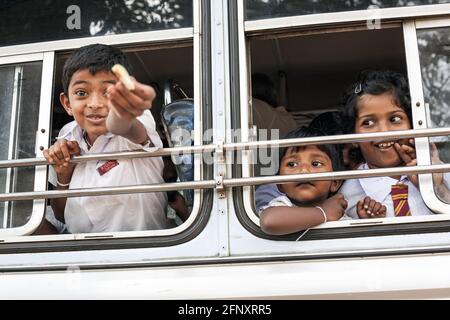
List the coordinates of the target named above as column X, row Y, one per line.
column 380, row 101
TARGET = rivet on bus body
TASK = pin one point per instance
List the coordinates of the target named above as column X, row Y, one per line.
column 219, row 52
column 41, row 148
column 220, row 81
column 43, row 130
column 418, row 104
column 420, row 122
column 219, row 23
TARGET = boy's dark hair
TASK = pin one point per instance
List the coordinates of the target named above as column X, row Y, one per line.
column 95, row 58
column 264, row 89
column 375, row 82
column 333, row 151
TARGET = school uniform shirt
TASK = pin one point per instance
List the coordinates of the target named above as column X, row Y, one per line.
column 128, row 212
column 379, row 189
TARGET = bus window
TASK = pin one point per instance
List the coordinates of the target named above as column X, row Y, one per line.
column 55, row 19
column 434, row 53
column 311, row 88
column 263, row 9
column 154, row 65
column 20, row 88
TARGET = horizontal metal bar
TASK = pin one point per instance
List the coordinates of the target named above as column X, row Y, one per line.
column 339, row 139
column 73, row 193
column 338, row 175
column 110, row 156
column 336, row 139
column 227, row 183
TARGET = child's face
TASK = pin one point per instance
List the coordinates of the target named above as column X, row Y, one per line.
column 377, row 114
column 309, row 159
column 87, row 101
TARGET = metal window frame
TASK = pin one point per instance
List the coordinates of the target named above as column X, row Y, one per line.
column 249, row 28
column 346, row 17
column 420, row 117
column 40, row 181
column 11, row 53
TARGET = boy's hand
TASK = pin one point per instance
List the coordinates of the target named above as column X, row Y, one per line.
column 129, row 104
column 334, row 207
column 369, row 208
column 59, row 156
column 408, row 154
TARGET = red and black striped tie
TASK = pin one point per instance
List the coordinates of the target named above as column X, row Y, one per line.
column 399, row 194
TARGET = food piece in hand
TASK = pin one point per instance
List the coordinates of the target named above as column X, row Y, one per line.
column 123, row 76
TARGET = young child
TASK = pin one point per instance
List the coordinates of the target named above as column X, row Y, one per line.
column 330, row 123
column 306, row 204
column 108, row 118
column 378, row 102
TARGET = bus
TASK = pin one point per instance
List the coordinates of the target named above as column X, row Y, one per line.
column 211, row 49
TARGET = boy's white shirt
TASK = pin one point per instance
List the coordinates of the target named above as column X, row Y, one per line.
column 379, row 189
column 129, row 212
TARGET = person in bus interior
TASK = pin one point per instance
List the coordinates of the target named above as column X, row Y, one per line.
column 108, row 118
column 310, row 203
column 380, row 101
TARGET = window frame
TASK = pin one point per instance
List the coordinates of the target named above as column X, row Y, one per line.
column 246, row 218
column 152, row 38
column 419, row 107
column 42, row 135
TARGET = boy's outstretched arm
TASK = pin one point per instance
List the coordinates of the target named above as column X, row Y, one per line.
column 125, row 106
column 285, row 220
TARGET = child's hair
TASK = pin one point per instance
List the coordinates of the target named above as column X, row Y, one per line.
column 95, row 58
column 375, row 82
column 332, row 150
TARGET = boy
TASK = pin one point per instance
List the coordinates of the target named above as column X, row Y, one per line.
column 306, row 204
column 108, row 118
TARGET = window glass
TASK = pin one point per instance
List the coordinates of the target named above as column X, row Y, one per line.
column 434, row 47
column 25, row 21
column 263, row 9
column 20, row 87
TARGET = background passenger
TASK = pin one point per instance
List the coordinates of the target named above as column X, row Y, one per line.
column 268, row 116
column 379, row 101
column 108, row 118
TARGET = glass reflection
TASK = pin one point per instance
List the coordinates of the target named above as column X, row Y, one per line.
column 20, row 88
column 25, row 21
column 434, row 48
column 263, row 9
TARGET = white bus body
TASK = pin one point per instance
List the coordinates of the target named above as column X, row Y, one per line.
column 220, row 251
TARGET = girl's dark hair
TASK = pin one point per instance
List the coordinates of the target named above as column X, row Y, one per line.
column 95, row 58
column 373, row 82
column 332, row 150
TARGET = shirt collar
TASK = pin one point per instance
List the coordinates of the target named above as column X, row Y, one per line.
column 75, row 132
column 378, row 188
